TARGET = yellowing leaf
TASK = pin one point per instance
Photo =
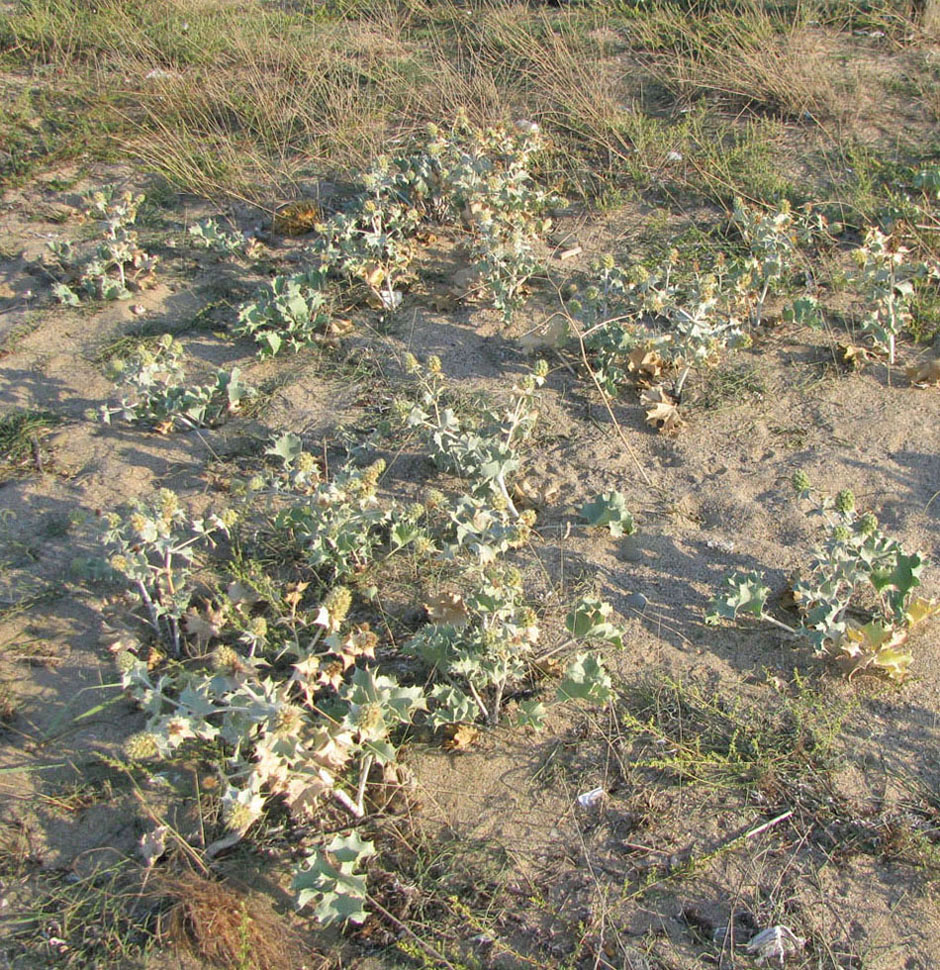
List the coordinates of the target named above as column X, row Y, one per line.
column 340, row 326
column 853, row 356
column 297, row 218
column 920, row 609
column 303, row 791
column 873, row 645
column 331, row 749
column 204, row 626
column 893, row 663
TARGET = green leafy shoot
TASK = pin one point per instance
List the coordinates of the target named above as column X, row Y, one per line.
column 609, row 509
column 586, row 679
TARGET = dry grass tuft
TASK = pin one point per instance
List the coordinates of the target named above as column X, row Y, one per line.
column 226, row 926
column 752, row 60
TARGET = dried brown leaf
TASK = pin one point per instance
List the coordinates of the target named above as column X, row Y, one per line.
column 534, row 492
column 447, row 609
column 662, row 410
column 460, row 737
column 645, row 365
column 853, row 356
column 923, row 374
column 297, row 218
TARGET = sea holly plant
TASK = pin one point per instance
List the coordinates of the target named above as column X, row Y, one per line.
column 856, row 600
column 117, row 263
column 208, row 234
column 372, row 243
column 886, row 279
column 636, row 321
column 291, row 312
column 298, row 715
column 157, row 393
column 154, row 549
column 479, row 180
column 480, row 646
column 772, row 237
column 339, row 525
column 481, row 447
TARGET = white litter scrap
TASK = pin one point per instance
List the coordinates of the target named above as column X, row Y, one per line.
column 153, row 845
column 775, row 943
column 591, row 798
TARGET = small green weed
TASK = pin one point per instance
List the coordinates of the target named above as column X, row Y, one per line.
column 21, row 434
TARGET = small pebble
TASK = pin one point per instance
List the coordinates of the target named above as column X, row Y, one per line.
column 637, row 601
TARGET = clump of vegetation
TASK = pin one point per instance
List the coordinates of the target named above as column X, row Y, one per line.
column 223, row 924
column 158, row 394
column 855, row 600
column 208, row 234
column 154, row 549
column 118, row 261
column 483, row 447
column 291, row 312
column 886, row 280
column 21, row 434
column 281, row 676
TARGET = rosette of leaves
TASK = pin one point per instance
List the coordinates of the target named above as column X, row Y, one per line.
column 290, row 312
column 684, row 319
column 482, row 647
column 610, row 510
column 485, row 528
column 483, row 446
column 157, row 392
column 856, row 599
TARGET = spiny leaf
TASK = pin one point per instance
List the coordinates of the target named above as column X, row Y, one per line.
column 745, row 593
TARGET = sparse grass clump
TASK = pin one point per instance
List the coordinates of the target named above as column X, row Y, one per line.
column 21, row 434
column 229, row 927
